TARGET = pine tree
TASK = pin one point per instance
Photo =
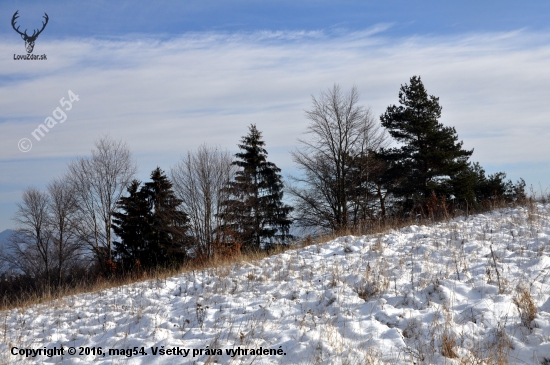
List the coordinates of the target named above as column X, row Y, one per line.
column 476, row 189
column 365, row 186
column 430, row 156
column 255, row 210
column 168, row 240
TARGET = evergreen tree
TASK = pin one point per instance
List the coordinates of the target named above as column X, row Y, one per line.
column 474, row 188
column 168, row 240
column 132, row 226
column 151, row 228
column 430, row 156
column 365, row 186
column 255, row 210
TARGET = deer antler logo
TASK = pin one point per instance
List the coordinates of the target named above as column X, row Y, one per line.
column 29, row 40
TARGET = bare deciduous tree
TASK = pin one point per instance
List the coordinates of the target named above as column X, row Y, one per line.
column 335, row 161
column 45, row 245
column 99, row 182
column 30, row 249
column 198, row 181
column 63, row 221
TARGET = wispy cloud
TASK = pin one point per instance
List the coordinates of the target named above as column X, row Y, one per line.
column 167, row 96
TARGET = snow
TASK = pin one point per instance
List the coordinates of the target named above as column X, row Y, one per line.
column 387, row 298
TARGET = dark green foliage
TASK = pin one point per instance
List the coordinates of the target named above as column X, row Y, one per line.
column 476, row 189
column 431, row 170
column 132, row 226
column 255, row 211
column 168, row 224
column 151, row 228
column 430, row 156
column 365, row 186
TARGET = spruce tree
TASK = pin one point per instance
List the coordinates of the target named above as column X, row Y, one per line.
column 131, row 224
column 255, row 210
column 430, row 156
column 151, row 228
column 168, row 240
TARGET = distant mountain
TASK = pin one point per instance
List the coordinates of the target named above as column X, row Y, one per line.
column 4, row 235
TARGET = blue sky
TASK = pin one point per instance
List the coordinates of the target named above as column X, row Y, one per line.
column 167, row 76
column 115, row 18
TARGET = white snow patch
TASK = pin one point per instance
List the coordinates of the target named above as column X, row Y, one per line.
column 388, row 298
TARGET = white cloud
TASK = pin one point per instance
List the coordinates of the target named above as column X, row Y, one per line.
column 165, row 97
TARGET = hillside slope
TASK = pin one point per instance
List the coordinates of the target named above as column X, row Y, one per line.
column 468, row 289
column 4, row 237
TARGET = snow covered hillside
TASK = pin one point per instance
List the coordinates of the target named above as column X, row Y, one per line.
column 463, row 291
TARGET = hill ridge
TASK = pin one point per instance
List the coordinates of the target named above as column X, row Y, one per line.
column 468, row 289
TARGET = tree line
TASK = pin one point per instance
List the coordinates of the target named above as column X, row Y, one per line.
column 354, row 172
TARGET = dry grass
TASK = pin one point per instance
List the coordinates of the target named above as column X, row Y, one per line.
column 219, row 265
column 448, row 343
column 526, row 307
column 377, row 227
column 375, row 282
column 423, row 344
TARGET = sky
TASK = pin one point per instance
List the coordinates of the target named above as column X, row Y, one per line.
column 168, row 76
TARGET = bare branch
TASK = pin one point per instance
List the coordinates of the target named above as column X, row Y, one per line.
column 99, row 182
column 198, row 181
column 336, row 159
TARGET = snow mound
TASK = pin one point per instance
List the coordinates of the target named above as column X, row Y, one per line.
column 467, row 290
